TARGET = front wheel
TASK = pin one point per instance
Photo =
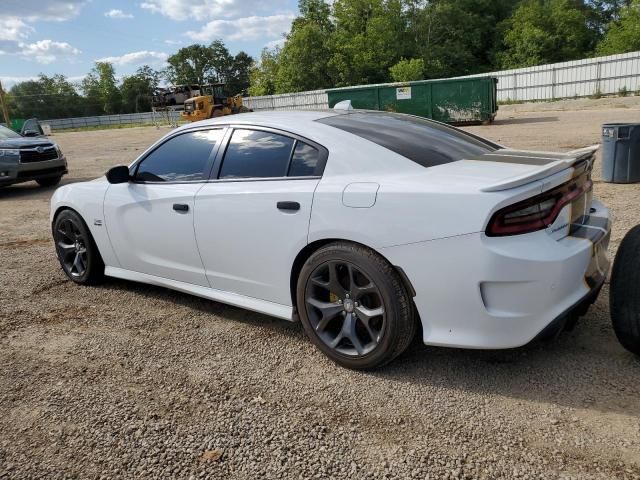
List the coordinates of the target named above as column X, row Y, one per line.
column 76, row 249
column 354, row 306
column 49, row 181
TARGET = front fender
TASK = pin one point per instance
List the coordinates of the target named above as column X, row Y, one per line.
column 87, row 199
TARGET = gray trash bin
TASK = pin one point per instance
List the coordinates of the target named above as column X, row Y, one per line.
column 621, row 152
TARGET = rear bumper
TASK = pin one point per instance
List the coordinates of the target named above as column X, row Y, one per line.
column 474, row 291
column 24, row 172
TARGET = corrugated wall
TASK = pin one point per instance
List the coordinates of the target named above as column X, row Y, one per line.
column 579, row 78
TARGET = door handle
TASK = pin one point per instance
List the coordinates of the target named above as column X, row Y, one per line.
column 181, row 207
column 289, row 206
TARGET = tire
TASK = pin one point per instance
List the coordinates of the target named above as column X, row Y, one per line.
column 49, row 182
column 367, row 317
column 624, row 294
column 76, row 250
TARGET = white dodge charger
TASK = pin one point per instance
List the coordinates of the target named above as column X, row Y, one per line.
column 366, row 226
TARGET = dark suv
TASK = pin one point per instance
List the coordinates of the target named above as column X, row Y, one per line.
column 24, row 158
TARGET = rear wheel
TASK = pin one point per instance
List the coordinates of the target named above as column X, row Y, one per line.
column 48, row 182
column 354, row 306
column 76, row 250
column 624, row 295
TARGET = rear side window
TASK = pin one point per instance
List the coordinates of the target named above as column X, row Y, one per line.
column 305, row 160
column 423, row 141
column 256, row 154
column 183, row 158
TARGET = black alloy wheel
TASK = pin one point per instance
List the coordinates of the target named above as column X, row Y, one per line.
column 354, row 306
column 76, row 250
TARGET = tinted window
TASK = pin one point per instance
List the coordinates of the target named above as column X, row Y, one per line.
column 305, row 161
column 256, row 154
column 182, row 158
column 423, row 141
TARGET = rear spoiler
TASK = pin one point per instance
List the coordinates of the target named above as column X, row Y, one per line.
column 564, row 161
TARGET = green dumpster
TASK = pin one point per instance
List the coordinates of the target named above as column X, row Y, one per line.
column 456, row 101
column 16, row 124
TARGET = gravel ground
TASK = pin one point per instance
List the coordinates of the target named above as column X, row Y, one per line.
column 127, row 380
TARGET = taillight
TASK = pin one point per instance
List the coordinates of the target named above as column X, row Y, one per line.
column 535, row 213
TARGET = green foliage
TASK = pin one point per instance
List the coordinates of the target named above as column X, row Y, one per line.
column 45, row 98
column 100, row 89
column 137, row 90
column 262, row 76
column 623, row 34
column 623, row 92
column 545, row 31
column 407, row 70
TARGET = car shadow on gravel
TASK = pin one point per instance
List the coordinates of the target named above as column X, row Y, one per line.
column 206, row 306
column 581, row 369
column 562, row 372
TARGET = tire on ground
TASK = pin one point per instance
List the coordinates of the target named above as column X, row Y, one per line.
column 624, row 295
column 94, row 273
column 400, row 322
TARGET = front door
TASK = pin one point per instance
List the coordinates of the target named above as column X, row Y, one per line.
column 253, row 220
column 150, row 219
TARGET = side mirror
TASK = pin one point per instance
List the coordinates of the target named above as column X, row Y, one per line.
column 119, row 174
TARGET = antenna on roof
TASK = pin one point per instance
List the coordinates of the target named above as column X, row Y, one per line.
column 343, row 105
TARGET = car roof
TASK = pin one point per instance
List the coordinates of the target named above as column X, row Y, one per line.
column 274, row 118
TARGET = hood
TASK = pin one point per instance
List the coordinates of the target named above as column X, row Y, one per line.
column 25, row 142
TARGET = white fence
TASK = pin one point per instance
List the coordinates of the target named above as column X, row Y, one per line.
column 124, row 119
column 579, row 78
column 310, row 100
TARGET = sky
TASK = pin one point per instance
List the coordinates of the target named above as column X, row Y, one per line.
column 68, row 36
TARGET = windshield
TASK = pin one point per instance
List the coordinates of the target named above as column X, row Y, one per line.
column 7, row 133
column 426, row 142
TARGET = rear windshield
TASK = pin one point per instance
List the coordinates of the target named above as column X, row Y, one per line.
column 425, row 142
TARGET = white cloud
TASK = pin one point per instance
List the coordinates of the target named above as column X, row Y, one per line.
column 14, row 29
column 136, row 58
column 208, row 9
column 47, row 51
column 117, row 14
column 34, row 10
column 8, row 82
column 275, row 43
column 247, row 28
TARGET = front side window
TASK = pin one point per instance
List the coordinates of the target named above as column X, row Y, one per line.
column 183, row 158
column 256, row 154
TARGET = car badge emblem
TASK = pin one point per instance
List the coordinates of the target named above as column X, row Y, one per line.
column 39, row 149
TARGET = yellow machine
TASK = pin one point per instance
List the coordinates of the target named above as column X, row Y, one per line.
column 213, row 104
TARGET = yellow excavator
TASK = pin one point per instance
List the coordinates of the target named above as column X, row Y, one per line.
column 213, row 103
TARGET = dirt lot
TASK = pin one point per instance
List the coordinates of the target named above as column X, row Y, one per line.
column 127, row 380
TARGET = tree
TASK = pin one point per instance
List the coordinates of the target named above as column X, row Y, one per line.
column 407, row 70
column 262, row 76
column 623, row 35
column 237, row 77
column 546, row 31
column 137, row 89
column 190, row 65
column 366, row 42
column 45, row 98
column 100, row 88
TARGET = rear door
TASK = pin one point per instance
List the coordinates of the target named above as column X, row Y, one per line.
column 252, row 219
column 150, row 219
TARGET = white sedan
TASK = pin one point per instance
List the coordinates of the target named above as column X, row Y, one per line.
column 366, row 226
